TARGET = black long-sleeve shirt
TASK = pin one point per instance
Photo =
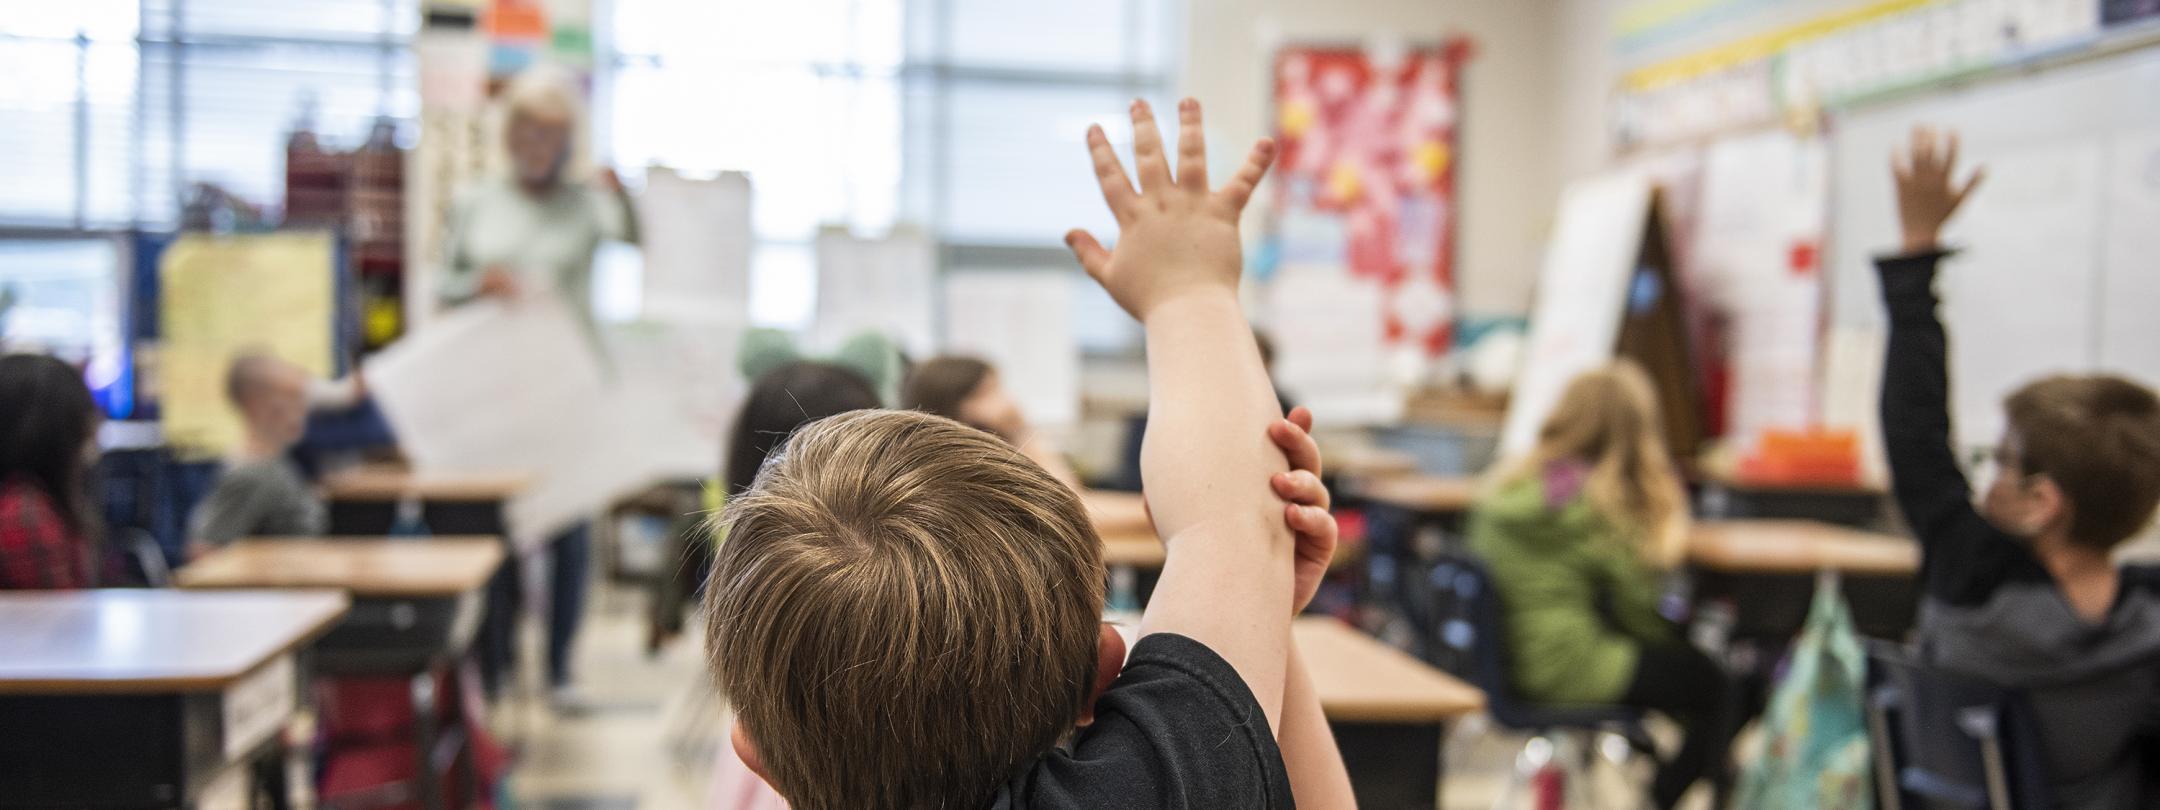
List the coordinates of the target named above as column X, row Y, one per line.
column 1989, row 609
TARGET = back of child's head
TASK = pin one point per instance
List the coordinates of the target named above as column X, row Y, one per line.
column 940, row 384
column 46, row 416
column 782, row 400
column 904, row 612
column 1607, row 418
column 2098, row 438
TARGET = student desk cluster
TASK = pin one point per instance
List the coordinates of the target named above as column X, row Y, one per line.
column 191, row 690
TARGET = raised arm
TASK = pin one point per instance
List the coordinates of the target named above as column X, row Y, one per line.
column 1930, row 487
column 1205, row 458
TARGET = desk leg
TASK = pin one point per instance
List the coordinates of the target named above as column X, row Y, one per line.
column 1392, row 765
column 424, row 738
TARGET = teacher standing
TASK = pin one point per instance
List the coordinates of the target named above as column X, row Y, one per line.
column 532, row 231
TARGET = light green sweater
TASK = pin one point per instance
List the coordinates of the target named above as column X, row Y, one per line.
column 1579, row 599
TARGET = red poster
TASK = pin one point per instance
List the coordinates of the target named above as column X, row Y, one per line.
column 1366, row 177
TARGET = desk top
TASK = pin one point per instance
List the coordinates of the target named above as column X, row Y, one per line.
column 151, row 641
column 387, row 567
column 1422, row 493
column 1367, row 462
column 1138, row 549
column 1117, row 512
column 379, row 482
column 1362, row 680
column 1799, row 547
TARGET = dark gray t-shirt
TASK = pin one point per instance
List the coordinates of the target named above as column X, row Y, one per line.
column 258, row 498
column 1178, row 729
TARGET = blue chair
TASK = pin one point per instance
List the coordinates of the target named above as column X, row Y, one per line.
column 1472, row 643
column 1945, row 742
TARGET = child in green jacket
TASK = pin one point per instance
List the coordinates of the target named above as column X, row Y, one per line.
column 1578, row 535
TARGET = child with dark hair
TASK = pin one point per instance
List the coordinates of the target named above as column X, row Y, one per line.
column 48, row 434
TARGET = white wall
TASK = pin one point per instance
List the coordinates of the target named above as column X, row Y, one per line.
column 1509, row 179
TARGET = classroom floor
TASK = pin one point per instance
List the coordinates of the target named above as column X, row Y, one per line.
column 646, row 741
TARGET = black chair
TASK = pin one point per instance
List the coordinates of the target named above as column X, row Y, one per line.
column 1946, row 742
column 1472, row 643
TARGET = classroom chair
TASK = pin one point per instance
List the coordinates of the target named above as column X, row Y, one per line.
column 1944, row 742
column 1472, row 642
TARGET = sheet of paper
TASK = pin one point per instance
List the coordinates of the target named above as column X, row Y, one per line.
column 2130, row 257
column 678, row 391
column 493, row 387
column 1021, row 322
column 697, row 241
column 1581, row 294
column 886, row 285
column 222, row 295
column 1753, row 260
column 1330, row 352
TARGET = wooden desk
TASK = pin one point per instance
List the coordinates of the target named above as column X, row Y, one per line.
column 1367, row 462
column 1799, row 547
column 1117, row 512
column 1421, row 494
column 181, row 687
column 1389, row 711
column 364, row 501
column 1765, row 571
column 364, row 567
column 417, row 603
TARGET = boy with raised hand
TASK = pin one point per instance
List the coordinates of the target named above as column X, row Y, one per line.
column 2022, row 591
column 906, row 611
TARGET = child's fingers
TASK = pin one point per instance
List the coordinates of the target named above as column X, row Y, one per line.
column 1148, row 157
column 1240, row 189
column 1117, row 189
column 1301, row 416
column 1192, row 149
column 1296, row 445
column 1314, row 524
column 1301, row 487
column 1094, row 258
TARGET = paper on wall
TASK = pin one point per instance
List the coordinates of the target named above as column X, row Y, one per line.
column 1581, row 295
column 887, row 285
column 1330, row 350
column 697, row 241
column 221, row 295
column 1021, row 322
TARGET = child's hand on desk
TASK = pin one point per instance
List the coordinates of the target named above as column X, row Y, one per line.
column 1307, row 512
column 1926, row 195
column 1175, row 236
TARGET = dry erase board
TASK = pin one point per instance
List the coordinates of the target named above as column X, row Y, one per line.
column 2059, row 267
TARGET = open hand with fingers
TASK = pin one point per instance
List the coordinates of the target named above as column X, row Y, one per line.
column 1927, row 194
column 1176, row 236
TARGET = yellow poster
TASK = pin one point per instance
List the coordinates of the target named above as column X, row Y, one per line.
column 222, row 295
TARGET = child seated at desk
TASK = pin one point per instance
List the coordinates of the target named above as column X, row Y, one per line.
column 1577, row 535
column 906, row 612
column 2022, row 591
column 48, row 431
column 967, row 390
column 261, row 491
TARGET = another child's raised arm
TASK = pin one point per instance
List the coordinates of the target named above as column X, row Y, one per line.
column 1227, row 580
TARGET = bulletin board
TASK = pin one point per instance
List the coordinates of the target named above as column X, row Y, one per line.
column 222, row 295
column 1365, row 178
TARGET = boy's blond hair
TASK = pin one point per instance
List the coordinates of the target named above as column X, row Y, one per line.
column 904, row 612
column 2098, row 438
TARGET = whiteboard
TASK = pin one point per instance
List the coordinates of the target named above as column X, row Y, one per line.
column 2058, row 265
column 1581, row 296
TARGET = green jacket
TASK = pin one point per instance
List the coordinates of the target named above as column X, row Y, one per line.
column 1579, row 599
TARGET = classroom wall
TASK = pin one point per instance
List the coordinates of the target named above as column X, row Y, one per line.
column 1508, row 182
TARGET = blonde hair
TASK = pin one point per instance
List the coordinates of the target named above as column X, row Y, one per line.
column 905, row 611
column 545, row 91
column 1608, row 418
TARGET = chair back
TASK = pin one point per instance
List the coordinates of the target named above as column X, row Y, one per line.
column 1948, row 742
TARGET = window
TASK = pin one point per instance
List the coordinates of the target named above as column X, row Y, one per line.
column 953, row 114
column 130, row 102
